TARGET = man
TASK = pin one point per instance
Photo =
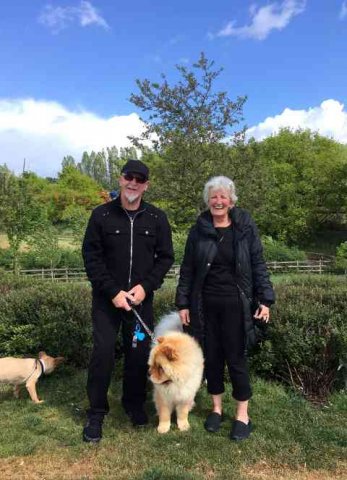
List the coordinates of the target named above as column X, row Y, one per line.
column 127, row 251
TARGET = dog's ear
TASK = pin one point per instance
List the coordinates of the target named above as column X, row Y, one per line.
column 58, row 361
column 160, row 339
column 170, row 353
column 42, row 354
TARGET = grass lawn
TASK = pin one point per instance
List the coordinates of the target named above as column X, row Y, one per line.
column 291, row 440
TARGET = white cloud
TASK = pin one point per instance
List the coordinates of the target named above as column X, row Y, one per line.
column 275, row 16
column 59, row 18
column 44, row 132
column 329, row 119
column 343, row 11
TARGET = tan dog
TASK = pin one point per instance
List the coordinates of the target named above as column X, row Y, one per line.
column 17, row 371
column 175, row 368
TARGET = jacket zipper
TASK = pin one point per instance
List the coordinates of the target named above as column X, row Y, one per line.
column 131, row 242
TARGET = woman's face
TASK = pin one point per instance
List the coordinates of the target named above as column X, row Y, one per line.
column 219, row 202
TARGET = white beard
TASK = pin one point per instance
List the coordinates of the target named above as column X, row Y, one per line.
column 131, row 197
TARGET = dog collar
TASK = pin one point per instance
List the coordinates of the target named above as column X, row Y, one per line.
column 42, row 363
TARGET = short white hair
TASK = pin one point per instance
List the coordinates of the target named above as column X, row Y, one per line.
column 220, row 183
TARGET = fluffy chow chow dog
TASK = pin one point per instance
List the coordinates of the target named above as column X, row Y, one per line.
column 175, row 369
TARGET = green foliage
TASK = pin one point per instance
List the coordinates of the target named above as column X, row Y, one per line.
column 46, row 316
column 38, row 315
column 341, row 257
column 308, row 335
column 21, row 211
column 76, row 217
column 275, row 250
column 179, row 242
column 186, row 124
column 44, row 247
column 298, row 196
column 6, row 259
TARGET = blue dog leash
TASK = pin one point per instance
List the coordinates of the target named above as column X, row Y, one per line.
column 138, row 335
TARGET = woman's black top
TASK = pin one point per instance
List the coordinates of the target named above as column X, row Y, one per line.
column 220, row 279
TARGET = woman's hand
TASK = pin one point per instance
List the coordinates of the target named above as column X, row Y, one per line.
column 262, row 313
column 184, row 316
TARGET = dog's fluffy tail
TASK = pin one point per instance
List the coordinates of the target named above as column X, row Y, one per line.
column 168, row 323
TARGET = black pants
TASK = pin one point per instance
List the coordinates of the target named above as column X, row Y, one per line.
column 107, row 321
column 224, row 343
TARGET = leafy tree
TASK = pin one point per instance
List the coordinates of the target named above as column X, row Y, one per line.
column 187, row 123
column 21, row 213
column 44, row 246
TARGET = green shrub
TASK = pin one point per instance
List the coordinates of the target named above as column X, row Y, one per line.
column 67, row 258
column 46, row 316
column 179, row 241
column 341, row 257
column 275, row 250
column 71, row 258
column 6, row 259
column 308, row 335
column 39, row 315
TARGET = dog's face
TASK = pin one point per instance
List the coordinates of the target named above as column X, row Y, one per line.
column 164, row 361
column 50, row 362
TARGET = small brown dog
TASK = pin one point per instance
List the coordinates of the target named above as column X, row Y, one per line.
column 175, row 367
column 17, row 371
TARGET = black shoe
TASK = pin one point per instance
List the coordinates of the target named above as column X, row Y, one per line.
column 240, row 430
column 212, row 422
column 92, row 431
column 137, row 416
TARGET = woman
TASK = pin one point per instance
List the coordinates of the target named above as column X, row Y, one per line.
column 223, row 275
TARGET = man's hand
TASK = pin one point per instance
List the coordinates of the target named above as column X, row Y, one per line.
column 137, row 294
column 184, row 316
column 262, row 313
column 120, row 300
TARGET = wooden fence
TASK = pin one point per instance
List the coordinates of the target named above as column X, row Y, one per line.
column 78, row 274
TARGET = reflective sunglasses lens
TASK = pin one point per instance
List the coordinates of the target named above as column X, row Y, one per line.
column 129, row 177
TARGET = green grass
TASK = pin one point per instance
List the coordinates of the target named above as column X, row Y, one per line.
column 290, row 434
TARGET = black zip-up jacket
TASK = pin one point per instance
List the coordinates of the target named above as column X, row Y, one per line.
column 120, row 252
column 250, row 271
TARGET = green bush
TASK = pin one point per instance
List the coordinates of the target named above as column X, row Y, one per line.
column 39, row 315
column 67, row 258
column 275, row 250
column 179, row 242
column 46, row 316
column 6, row 259
column 341, row 257
column 308, row 335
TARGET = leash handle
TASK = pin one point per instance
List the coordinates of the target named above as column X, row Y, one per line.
column 147, row 330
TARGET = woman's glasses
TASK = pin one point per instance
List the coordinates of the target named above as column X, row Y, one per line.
column 129, row 177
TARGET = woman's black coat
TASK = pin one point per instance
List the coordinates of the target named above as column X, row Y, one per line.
column 250, row 271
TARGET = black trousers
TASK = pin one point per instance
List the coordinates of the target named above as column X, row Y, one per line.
column 224, row 343
column 107, row 321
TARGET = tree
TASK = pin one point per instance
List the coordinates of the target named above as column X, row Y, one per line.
column 21, row 213
column 188, row 124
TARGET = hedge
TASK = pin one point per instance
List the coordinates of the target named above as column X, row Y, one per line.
column 307, row 336
column 307, row 343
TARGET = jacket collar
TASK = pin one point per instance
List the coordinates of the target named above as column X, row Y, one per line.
column 239, row 220
column 117, row 203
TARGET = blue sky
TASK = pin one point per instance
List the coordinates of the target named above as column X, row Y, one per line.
column 68, row 67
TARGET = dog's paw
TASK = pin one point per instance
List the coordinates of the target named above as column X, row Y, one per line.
column 183, row 426
column 39, row 401
column 163, row 427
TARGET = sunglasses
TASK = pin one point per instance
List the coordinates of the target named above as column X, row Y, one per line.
column 129, row 177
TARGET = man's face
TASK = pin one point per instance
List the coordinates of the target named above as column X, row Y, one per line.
column 132, row 186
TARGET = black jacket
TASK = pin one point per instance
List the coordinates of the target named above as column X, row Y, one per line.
column 250, row 270
column 120, row 252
